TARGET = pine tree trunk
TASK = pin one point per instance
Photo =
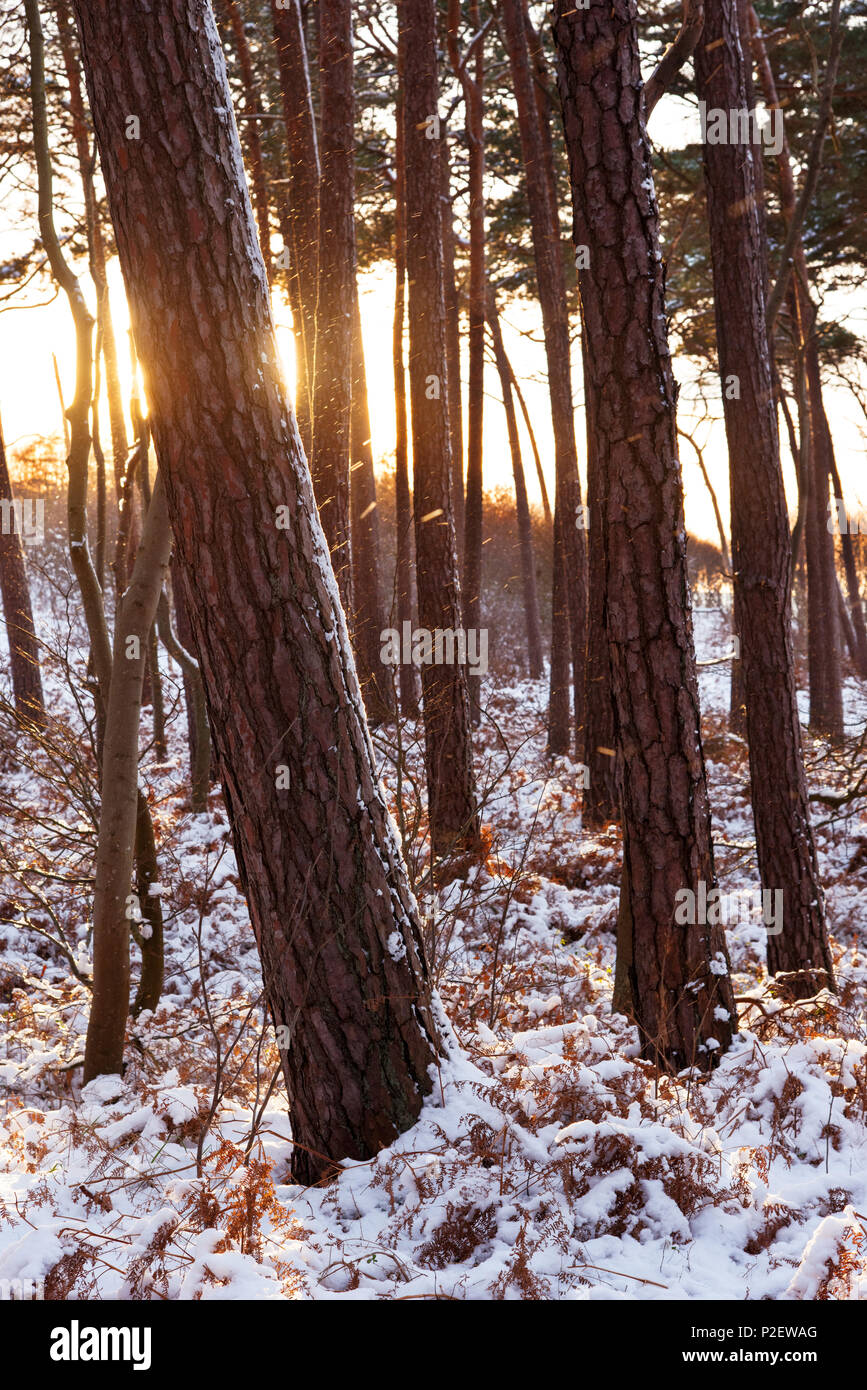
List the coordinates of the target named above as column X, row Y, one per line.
column 761, row 553
column 474, row 103
column 532, row 618
column 452, row 808
column 401, row 608
column 24, row 663
column 453, row 348
column 569, row 549
column 301, row 142
column 252, row 139
column 600, row 803
column 317, row 854
column 332, row 385
column 826, row 698
column 368, row 623
column 679, row 979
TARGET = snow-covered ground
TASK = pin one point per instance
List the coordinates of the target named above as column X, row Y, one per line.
column 549, row 1161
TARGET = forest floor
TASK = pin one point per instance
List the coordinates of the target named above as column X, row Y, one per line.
column 549, row 1162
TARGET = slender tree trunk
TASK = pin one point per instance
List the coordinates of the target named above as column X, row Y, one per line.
column 194, row 696
column 682, row 997
column 317, row 853
column 472, row 79
column 826, row 699
column 24, row 664
column 402, row 606
column 453, row 347
column 302, row 146
column 367, row 624
column 332, row 385
column 234, row 20
column 569, row 551
column 761, row 554
column 78, row 414
column 532, row 619
column 452, row 808
column 119, row 808
column 96, row 244
column 600, row 803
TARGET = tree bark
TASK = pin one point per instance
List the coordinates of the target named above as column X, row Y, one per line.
column 332, row 383
column 106, row 1029
column 453, row 348
column 335, row 923
column 683, row 1002
column 24, row 662
column 570, row 596
column 532, row 618
column 761, row 553
column 474, row 103
column 367, row 624
column 402, row 606
column 600, row 804
column 452, row 807
column 252, row 140
column 303, row 150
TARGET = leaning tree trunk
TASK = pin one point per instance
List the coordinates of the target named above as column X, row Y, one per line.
column 569, row 588
column 303, row 217
column 332, row 382
column 761, row 548
column 24, row 666
column 317, row 852
column 682, row 996
column 452, row 808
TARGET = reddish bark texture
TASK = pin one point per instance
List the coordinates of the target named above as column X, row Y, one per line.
column 761, row 549
column 453, row 812
column 680, row 987
column 318, row 858
column 332, row 384
column 569, row 600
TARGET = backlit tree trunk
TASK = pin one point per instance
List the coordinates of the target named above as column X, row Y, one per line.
column 24, row 666
column 682, row 997
column 303, row 216
column 472, row 78
column 317, row 853
column 448, row 750
column 332, row 383
column 368, row 618
column 401, row 607
column 252, row 138
column 761, row 550
column 532, row 619
column 569, row 552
